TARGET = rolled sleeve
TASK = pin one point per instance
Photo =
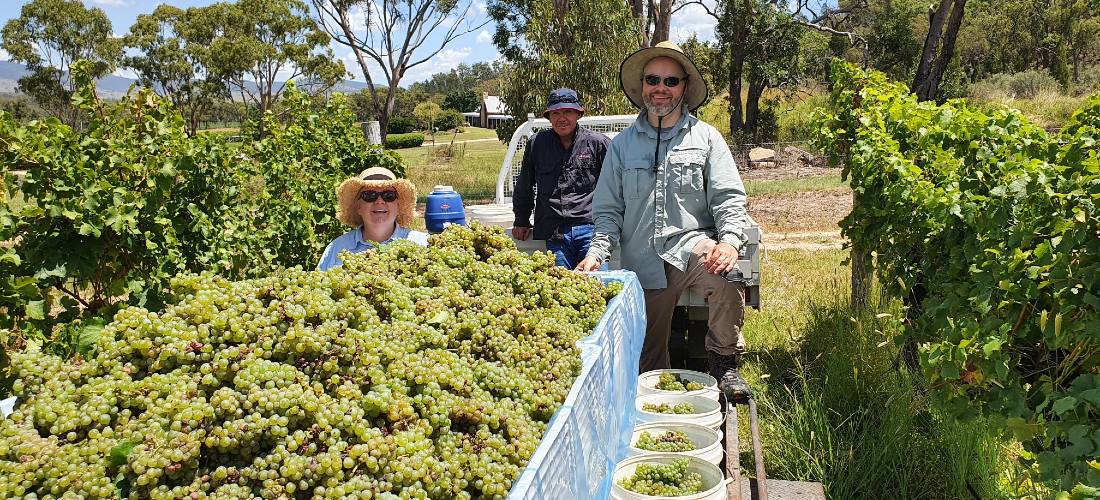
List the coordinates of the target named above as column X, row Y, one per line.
column 608, row 208
column 726, row 193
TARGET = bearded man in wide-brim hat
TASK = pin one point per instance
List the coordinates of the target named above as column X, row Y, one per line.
column 670, row 195
column 379, row 206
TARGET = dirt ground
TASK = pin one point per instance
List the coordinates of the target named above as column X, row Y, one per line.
column 807, row 220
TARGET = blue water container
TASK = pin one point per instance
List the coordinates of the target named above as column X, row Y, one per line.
column 444, row 208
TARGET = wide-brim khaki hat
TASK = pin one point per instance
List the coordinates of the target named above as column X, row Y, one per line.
column 632, row 69
column 377, row 179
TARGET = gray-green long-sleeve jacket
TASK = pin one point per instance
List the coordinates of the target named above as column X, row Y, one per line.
column 658, row 214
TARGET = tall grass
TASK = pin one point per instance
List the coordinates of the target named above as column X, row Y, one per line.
column 823, row 183
column 840, row 407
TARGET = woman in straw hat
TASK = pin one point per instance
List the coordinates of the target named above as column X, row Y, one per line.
column 671, row 196
column 377, row 204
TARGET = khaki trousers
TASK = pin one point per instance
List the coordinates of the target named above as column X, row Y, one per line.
column 726, row 301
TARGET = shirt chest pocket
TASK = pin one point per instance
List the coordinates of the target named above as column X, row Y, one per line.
column 687, row 166
column 638, row 179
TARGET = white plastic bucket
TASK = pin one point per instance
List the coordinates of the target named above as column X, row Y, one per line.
column 647, row 383
column 713, row 487
column 491, row 214
column 707, row 441
column 708, row 413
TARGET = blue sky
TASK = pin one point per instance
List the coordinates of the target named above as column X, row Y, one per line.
column 471, row 48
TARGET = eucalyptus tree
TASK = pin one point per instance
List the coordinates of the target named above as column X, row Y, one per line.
column 262, row 44
column 395, row 35
column 49, row 36
column 552, row 44
column 175, row 59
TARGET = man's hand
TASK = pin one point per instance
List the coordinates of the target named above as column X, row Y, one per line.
column 521, row 233
column 723, row 257
column 588, row 265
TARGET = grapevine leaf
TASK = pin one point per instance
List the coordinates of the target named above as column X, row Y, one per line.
column 1064, row 404
column 120, row 452
column 36, row 309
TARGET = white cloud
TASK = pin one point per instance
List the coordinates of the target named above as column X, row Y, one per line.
column 112, row 3
column 4, row 55
column 693, row 19
column 443, row 62
column 484, row 37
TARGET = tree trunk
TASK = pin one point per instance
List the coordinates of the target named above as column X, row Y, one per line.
column 922, row 79
column 638, row 8
column 737, row 63
column 662, row 23
column 752, row 107
column 947, row 51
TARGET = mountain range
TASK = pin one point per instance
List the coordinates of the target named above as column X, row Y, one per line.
column 114, row 87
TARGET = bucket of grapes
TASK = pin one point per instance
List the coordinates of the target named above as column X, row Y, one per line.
column 683, row 439
column 673, row 381
column 647, row 477
column 666, row 408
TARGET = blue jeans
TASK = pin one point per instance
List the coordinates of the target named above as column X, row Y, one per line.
column 570, row 244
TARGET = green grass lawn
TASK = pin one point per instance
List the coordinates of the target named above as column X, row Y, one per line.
column 795, row 185
column 472, row 168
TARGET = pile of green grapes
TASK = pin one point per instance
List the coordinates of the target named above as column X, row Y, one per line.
column 668, row 441
column 407, row 373
column 678, row 409
column 664, row 480
column 670, row 382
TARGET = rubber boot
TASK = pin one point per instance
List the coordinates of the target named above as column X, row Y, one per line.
column 725, row 369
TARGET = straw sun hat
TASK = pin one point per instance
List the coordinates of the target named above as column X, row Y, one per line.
column 633, row 67
column 377, row 179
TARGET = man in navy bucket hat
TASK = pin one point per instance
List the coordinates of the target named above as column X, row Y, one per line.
column 562, row 165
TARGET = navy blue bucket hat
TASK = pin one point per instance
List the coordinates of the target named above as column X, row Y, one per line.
column 563, row 99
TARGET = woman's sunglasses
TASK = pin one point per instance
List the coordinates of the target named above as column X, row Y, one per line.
column 370, row 196
column 670, row 81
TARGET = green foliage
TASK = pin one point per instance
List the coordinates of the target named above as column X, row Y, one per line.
column 401, row 125
column 997, row 220
column 402, row 141
column 111, row 213
column 449, row 119
column 463, row 101
column 578, row 45
column 426, row 114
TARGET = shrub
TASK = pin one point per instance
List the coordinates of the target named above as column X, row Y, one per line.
column 427, row 114
column 402, row 141
column 449, row 119
column 401, row 125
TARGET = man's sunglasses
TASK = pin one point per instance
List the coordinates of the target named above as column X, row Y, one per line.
column 370, row 196
column 670, row 81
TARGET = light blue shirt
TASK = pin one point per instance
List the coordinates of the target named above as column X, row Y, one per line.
column 353, row 242
column 658, row 214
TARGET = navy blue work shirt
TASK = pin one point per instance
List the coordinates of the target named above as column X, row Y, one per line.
column 564, row 180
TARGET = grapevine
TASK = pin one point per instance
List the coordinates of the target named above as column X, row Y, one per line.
column 989, row 224
column 407, row 372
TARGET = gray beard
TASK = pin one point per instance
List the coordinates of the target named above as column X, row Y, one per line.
column 656, row 109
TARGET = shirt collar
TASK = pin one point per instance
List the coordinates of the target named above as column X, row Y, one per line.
column 652, row 131
column 395, row 236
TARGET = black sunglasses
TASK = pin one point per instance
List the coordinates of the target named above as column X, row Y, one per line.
column 370, row 196
column 670, row 81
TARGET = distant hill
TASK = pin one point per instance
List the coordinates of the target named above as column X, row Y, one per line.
column 114, row 87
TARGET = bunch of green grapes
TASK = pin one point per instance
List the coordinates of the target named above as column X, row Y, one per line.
column 408, row 372
column 664, row 480
column 670, row 382
column 684, row 408
column 668, row 441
